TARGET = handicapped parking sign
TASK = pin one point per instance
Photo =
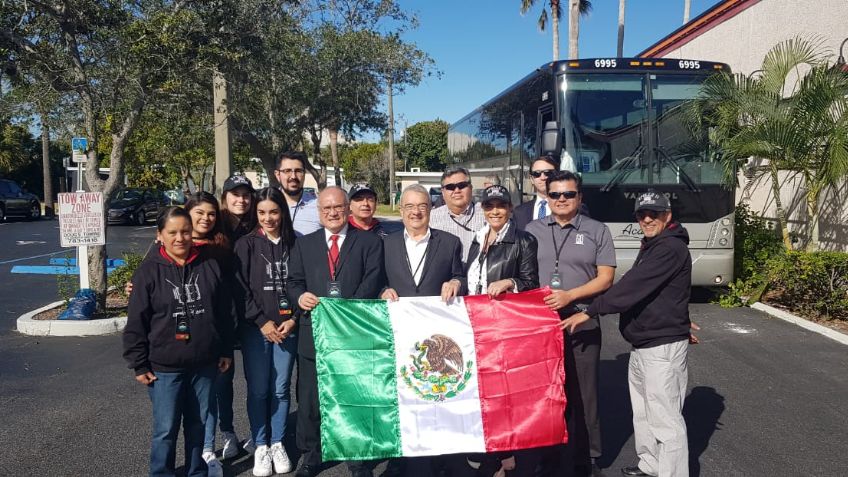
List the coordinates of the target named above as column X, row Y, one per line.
column 79, row 144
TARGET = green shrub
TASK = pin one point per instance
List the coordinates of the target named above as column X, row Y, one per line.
column 66, row 283
column 756, row 243
column 813, row 284
column 123, row 274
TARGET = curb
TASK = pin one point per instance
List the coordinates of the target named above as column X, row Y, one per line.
column 807, row 324
column 107, row 326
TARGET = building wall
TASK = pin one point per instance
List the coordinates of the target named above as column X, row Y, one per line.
column 742, row 42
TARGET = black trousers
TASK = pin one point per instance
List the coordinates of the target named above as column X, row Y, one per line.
column 582, row 355
column 451, row 465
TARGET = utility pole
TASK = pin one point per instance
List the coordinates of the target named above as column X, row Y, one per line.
column 686, row 7
column 391, row 148
column 223, row 157
column 620, row 50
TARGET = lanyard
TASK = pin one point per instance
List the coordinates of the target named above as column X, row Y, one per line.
column 558, row 249
column 297, row 208
column 470, row 218
column 420, row 262
column 480, row 260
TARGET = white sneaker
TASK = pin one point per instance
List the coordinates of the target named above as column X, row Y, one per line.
column 231, row 445
column 282, row 464
column 213, row 464
column 249, row 446
column 262, row 462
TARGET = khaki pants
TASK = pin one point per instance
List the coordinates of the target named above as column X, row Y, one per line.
column 657, row 377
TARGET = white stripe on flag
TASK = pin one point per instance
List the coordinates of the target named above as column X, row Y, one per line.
column 455, row 424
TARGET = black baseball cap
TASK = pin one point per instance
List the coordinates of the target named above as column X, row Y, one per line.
column 237, row 180
column 652, row 200
column 496, row 192
column 358, row 189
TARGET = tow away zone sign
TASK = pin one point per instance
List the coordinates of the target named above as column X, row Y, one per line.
column 81, row 219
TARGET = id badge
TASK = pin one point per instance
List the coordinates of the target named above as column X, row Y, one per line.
column 284, row 306
column 556, row 280
column 334, row 289
column 183, row 332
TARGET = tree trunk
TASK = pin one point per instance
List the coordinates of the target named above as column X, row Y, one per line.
column 45, row 166
column 555, row 8
column 573, row 28
column 779, row 211
column 813, row 217
column 320, row 175
column 620, row 49
column 334, row 153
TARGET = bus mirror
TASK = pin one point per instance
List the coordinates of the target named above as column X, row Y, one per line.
column 550, row 139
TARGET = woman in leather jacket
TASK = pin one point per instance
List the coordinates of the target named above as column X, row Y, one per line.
column 501, row 258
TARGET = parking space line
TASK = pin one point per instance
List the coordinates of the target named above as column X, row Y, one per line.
column 35, row 256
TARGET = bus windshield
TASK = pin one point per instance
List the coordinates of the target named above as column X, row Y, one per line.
column 607, row 119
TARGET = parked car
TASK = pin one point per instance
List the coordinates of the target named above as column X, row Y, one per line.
column 436, row 197
column 15, row 202
column 136, row 206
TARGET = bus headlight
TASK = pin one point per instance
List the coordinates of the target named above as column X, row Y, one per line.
column 718, row 279
column 725, row 232
column 722, row 242
column 725, row 221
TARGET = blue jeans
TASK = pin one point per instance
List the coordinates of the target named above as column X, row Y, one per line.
column 267, row 369
column 220, row 408
column 176, row 397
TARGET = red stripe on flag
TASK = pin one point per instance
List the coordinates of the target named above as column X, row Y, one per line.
column 520, row 369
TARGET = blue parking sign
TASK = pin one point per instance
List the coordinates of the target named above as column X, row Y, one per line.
column 79, row 144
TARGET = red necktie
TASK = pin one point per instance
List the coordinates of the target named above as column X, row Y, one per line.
column 333, row 255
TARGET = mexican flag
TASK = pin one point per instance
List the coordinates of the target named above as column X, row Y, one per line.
column 421, row 377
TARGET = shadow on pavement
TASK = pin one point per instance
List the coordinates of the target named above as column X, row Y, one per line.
column 614, row 408
column 701, row 410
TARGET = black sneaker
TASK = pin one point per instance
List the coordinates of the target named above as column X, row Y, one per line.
column 635, row 470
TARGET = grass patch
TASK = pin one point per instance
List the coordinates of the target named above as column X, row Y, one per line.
column 385, row 210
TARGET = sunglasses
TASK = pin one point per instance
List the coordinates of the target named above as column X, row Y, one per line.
column 538, row 174
column 569, row 194
column 458, row 185
column 653, row 214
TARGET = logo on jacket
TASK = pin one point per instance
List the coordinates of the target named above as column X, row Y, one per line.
column 578, row 239
column 437, row 370
column 275, row 272
column 188, row 292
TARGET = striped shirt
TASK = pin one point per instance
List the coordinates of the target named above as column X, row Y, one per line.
column 464, row 225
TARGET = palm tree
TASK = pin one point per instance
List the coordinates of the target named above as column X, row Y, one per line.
column 576, row 9
column 798, row 126
column 620, row 49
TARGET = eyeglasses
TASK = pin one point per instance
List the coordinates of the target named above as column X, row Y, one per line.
column 287, row 172
column 653, row 214
column 569, row 194
column 538, row 174
column 332, row 208
column 455, row 186
column 413, row 207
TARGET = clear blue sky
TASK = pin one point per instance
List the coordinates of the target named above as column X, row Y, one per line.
column 483, row 46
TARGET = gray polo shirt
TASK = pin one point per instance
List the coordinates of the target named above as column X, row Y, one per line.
column 588, row 244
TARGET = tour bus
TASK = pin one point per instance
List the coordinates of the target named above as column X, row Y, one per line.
column 620, row 124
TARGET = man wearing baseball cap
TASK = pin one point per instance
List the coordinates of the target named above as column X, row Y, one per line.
column 363, row 204
column 653, row 301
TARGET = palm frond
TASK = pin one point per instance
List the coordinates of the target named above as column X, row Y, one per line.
column 526, row 5
column 543, row 20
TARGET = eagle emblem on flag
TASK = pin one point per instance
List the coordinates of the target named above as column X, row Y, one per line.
column 437, row 370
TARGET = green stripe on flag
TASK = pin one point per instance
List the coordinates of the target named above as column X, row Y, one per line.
column 357, row 385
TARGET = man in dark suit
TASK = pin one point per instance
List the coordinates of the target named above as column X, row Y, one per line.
column 421, row 261
column 537, row 208
column 334, row 261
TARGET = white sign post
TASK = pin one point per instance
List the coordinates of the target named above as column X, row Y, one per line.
column 81, row 224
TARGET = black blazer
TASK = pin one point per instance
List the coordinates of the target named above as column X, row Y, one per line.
column 443, row 263
column 513, row 257
column 359, row 272
column 523, row 214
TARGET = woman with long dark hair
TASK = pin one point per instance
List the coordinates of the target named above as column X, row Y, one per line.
column 179, row 333
column 238, row 207
column 266, row 330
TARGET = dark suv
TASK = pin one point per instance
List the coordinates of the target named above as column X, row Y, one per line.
column 14, row 202
column 136, row 206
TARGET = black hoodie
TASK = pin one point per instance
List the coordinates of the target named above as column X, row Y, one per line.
column 262, row 271
column 163, row 292
column 653, row 297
